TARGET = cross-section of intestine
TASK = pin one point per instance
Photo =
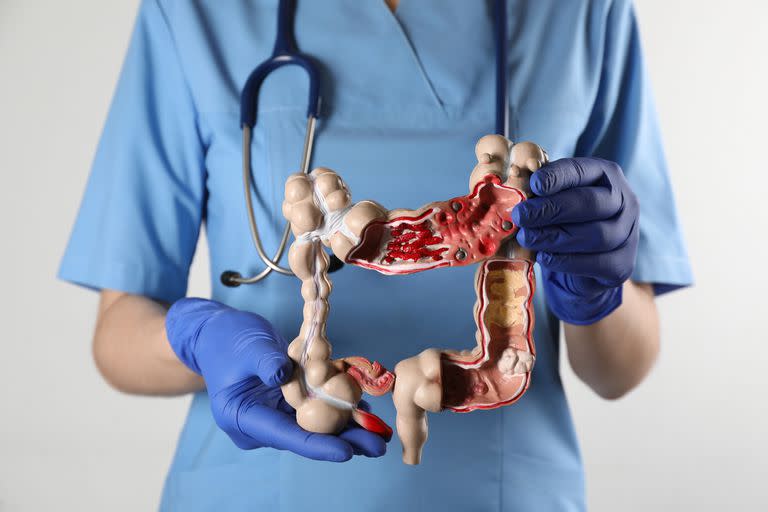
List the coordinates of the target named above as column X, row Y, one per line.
column 497, row 371
column 472, row 229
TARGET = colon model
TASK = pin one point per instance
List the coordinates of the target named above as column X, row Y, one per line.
column 472, row 229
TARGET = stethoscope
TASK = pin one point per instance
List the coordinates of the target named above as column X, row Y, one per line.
column 286, row 53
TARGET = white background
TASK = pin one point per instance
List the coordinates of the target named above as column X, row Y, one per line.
column 693, row 437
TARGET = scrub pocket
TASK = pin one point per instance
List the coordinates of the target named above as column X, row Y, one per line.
column 232, row 487
column 210, row 473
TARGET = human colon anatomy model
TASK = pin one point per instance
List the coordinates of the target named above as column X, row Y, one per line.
column 473, row 229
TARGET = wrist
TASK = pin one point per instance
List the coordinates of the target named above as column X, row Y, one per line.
column 581, row 308
column 164, row 350
column 183, row 324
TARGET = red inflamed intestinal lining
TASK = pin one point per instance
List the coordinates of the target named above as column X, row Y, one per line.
column 411, row 241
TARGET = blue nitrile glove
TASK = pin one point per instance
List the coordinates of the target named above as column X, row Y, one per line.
column 243, row 362
column 585, row 226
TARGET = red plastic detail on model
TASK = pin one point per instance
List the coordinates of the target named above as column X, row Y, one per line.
column 395, row 271
column 372, row 378
column 461, row 231
column 410, row 242
column 372, row 423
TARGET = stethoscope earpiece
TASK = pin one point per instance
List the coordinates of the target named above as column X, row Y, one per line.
column 335, row 264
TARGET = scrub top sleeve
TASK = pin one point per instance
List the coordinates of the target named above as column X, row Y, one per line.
column 139, row 220
column 623, row 127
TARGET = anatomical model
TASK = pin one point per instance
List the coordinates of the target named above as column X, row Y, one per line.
column 476, row 228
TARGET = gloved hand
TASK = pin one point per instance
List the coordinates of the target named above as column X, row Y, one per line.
column 584, row 225
column 243, row 362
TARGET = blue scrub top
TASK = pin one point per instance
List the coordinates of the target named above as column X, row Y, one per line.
column 406, row 96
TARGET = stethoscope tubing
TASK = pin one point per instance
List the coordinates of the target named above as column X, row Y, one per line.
column 284, row 53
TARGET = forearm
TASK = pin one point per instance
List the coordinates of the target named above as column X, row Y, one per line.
column 131, row 348
column 613, row 355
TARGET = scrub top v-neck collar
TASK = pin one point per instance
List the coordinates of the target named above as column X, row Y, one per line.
column 454, row 50
column 399, row 20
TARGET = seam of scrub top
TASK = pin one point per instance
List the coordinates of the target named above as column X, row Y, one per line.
column 180, row 63
column 417, row 119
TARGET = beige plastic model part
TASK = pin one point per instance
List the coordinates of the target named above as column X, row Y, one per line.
column 418, row 389
column 322, row 394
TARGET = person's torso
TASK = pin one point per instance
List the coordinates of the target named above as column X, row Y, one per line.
column 405, row 98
